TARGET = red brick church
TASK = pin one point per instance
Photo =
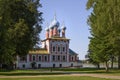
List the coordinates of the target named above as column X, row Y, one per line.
column 55, row 51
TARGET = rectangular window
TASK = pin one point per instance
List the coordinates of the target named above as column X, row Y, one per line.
column 40, row 59
column 53, row 57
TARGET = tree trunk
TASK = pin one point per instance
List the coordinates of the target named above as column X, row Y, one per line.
column 98, row 66
column 106, row 66
column 119, row 62
column 0, row 65
column 112, row 59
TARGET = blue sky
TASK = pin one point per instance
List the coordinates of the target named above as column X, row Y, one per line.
column 74, row 14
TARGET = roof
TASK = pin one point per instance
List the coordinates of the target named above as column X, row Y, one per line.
column 54, row 22
column 59, row 38
column 39, row 51
column 71, row 52
column 56, row 38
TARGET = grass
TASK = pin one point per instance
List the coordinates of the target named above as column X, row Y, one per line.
column 90, row 70
column 58, row 71
column 58, row 78
column 30, row 73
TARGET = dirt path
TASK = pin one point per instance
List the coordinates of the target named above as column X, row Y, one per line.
column 99, row 75
column 92, row 75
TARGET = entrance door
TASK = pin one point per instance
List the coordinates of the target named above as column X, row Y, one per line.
column 39, row 65
column 71, row 64
column 53, row 65
column 60, row 65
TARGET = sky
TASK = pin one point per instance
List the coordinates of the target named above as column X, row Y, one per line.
column 74, row 15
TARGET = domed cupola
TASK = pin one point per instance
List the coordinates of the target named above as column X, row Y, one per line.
column 47, row 32
column 63, row 26
column 47, row 29
column 54, row 23
column 50, row 26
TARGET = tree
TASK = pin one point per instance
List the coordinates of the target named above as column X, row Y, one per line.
column 99, row 51
column 20, row 25
column 104, row 22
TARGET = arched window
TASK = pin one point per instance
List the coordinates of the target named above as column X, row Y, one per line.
column 23, row 65
column 71, row 64
column 58, row 58
column 40, row 59
column 60, row 65
column 63, row 49
column 53, row 65
column 72, row 58
column 33, row 58
column 45, row 58
column 63, row 58
column 58, row 49
column 39, row 65
column 53, row 48
column 53, row 57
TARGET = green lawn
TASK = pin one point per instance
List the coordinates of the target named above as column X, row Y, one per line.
column 58, row 78
column 58, row 71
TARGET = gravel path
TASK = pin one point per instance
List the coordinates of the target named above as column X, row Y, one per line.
column 91, row 75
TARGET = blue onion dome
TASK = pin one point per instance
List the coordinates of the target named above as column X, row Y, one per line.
column 63, row 26
column 47, row 29
column 54, row 23
column 50, row 26
column 59, row 30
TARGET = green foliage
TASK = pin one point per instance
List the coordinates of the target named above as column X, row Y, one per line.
column 20, row 25
column 105, row 25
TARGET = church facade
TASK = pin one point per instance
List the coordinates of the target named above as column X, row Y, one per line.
column 55, row 51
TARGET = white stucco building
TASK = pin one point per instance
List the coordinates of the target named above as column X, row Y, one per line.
column 55, row 51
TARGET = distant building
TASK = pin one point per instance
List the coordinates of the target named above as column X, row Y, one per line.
column 55, row 51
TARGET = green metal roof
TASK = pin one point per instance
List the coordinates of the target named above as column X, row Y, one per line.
column 71, row 52
column 39, row 51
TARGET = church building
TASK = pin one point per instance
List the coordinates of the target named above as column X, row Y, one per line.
column 55, row 51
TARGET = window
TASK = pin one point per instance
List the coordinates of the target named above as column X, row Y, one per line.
column 63, row 58
column 23, row 65
column 39, row 65
column 58, row 49
column 45, row 58
column 53, row 65
column 33, row 58
column 58, row 58
column 60, row 65
column 72, row 58
column 23, row 58
column 53, row 57
column 71, row 64
column 63, row 49
column 53, row 48
column 40, row 58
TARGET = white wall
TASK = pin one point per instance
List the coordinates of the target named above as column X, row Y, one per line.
column 47, row 64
